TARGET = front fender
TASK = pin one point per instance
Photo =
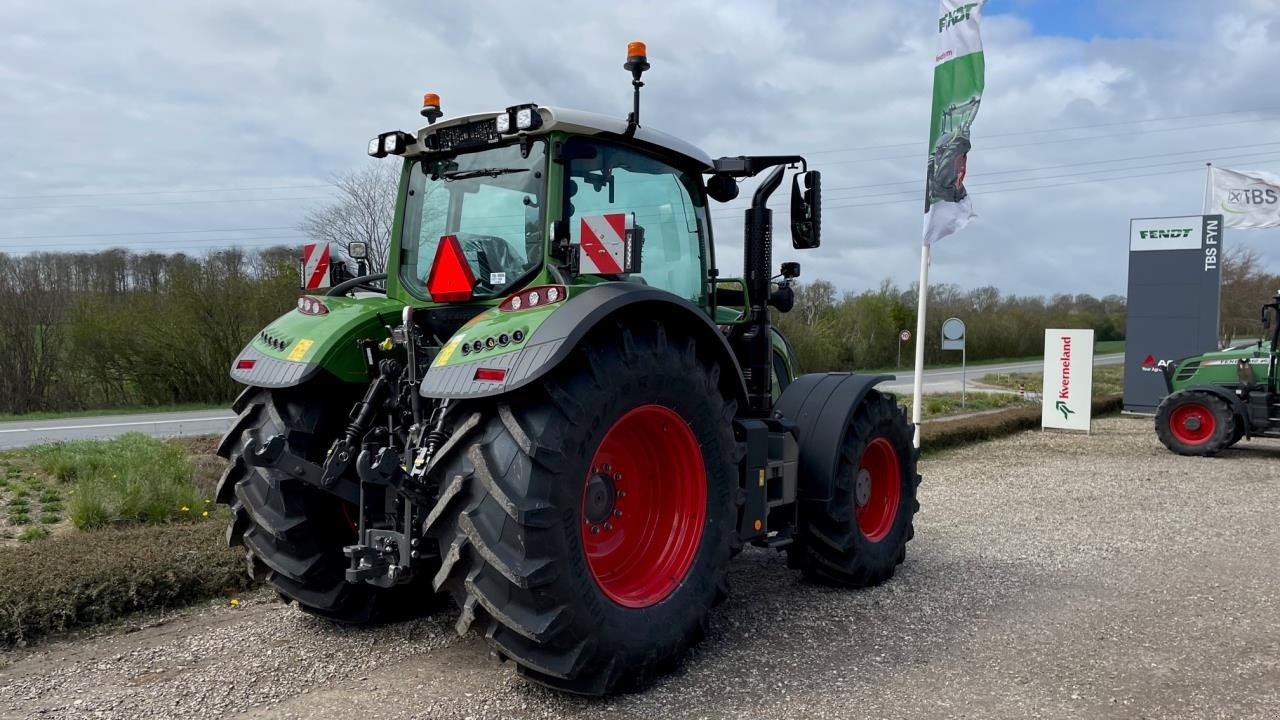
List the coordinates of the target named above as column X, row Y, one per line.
column 552, row 334
column 296, row 347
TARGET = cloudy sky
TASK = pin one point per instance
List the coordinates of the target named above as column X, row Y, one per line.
column 183, row 125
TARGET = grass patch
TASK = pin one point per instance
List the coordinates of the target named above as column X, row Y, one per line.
column 1107, row 380
column 32, row 534
column 132, row 479
column 943, row 404
column 48, row 587
column 99, row 412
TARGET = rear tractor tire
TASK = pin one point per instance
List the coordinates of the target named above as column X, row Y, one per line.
column 293, row 533
column 1196, row 423
column 859, row 537
column 587, row 522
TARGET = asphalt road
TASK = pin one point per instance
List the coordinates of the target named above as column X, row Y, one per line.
column 948, row 379
column 212, row 422
column 1052, row 576
column 171, row 424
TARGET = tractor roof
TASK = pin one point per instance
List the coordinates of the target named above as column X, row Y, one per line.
column 586, row 123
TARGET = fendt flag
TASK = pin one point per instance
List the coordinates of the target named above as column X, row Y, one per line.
column 1245, row 198
column 958, row 78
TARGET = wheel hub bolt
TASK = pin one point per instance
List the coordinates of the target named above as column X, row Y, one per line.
column 608, row 526
column 862, row 488
column 595, row 529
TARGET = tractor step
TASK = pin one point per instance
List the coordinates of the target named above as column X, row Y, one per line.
column 768, row 480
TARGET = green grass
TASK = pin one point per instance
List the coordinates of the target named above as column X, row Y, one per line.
column 131, row 479
column 98, row 412
column 1107, row 347
column 32, row 534
column 1107, row 380
column 944, row 404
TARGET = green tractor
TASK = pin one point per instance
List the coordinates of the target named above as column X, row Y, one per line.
column 1218, row 398
column 554, row 409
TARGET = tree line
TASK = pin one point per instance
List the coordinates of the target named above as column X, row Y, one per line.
column 120, row 328
column 117, row 328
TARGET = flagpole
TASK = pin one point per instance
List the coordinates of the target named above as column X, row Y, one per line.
column 1208, row 187
column 918, row 388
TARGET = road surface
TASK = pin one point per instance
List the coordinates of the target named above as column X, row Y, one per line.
column 948, row 379
column 21, row 433
column 169, row 424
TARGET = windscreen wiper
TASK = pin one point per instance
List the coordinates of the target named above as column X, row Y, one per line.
column 483, row 172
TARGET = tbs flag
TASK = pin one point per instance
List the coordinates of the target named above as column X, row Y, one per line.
column 958, row 72
column 1246, row 198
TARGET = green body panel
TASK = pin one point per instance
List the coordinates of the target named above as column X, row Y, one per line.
column 1219, row 368
column 330, row 340
column 493, row 323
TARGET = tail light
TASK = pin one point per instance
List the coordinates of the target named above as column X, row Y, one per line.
column 490, row 374
column 450, row 279
column 534, row 297
column 308, row 305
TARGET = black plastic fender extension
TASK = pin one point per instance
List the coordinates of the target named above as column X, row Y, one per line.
column 822, row 405
column 553, row 341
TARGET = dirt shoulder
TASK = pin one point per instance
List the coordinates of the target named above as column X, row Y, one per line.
column 1052, row 575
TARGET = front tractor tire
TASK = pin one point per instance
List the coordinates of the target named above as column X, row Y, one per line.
column 294, row 533
column 858, row 537
column 586, row 523
column 1197, row 423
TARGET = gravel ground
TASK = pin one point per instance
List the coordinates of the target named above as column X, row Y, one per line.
column 1052, row 576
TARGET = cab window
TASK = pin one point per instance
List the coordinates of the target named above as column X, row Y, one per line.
column 668, row 205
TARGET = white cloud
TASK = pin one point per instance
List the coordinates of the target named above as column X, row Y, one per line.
column 135, row 96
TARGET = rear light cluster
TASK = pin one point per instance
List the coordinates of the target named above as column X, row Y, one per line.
column 308, row 305
column 534, row 297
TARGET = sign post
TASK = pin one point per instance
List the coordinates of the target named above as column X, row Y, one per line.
column 953, row 335
column 904, row 336
column 1171, row 310
column 1066, row 402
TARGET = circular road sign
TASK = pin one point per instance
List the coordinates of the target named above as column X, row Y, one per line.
column 953, row 329
column 904, row 336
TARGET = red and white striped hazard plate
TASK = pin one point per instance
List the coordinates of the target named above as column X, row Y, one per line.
column 315, row 266
column 604, row 243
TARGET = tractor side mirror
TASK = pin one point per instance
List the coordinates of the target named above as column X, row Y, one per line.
column 806, row 210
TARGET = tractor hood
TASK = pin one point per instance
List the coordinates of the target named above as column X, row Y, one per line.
column 1219, row 367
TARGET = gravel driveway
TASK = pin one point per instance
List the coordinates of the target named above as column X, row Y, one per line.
column 1052, row 576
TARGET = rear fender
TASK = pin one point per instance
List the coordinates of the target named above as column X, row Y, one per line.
column 822, row 406
column 553, row 335
column 295, row 347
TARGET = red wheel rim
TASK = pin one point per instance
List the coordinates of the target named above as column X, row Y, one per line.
column 644, row 502
column 1192, row 423
column 877, row 489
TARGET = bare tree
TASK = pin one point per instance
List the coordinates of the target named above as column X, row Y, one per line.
column 362, row 212
column 1245, row 287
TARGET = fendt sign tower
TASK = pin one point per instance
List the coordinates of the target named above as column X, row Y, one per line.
column 1174, row 288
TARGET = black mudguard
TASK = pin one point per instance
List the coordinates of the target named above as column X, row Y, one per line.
column 822, row 405
column 556, row 338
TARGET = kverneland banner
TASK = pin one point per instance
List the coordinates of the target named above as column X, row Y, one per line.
column 1067, row 401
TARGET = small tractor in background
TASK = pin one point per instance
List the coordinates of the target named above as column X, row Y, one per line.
column 554, row 408
column 1219, row 398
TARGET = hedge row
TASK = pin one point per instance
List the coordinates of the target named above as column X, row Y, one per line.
column 942, row 434
column 82, row 578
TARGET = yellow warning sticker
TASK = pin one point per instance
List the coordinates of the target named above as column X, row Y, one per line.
column 300, row 350
column 445, row 353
